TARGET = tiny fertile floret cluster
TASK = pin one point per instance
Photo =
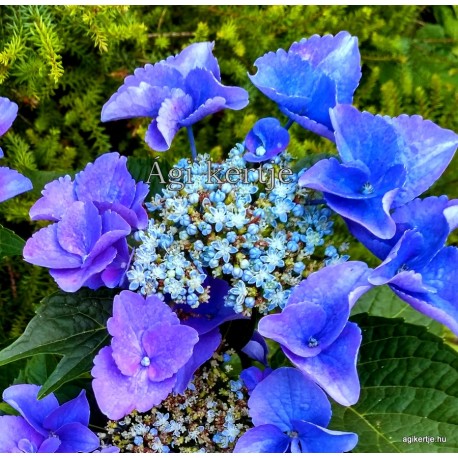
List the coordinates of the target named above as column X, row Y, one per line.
column 233, row 226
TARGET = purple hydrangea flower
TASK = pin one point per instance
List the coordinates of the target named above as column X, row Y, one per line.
column 86, row 246
column 416, row 264
column 290, row 414
column 313, row 76
column 176, row 92
column 253, row 375
column 12, row 183
column 386, row 162
column 265, row 140
column 45, row 426
column 314, row 332
column 107, row 183
column 149, row 347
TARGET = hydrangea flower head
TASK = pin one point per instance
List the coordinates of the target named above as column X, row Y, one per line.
column 44, row 425
column 107, row 183
column 176, row 92
column 290, row 414
column 313, row 76
column 149, row 347
column 314, row 332
column 12, row 182
column 416, row 265
column 93, row 215
column 386, row 162
column 265, row 140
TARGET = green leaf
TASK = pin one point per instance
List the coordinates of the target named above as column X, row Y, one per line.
column 10, row 243
column 382, row 301
column 71, row 325
column 409, row 381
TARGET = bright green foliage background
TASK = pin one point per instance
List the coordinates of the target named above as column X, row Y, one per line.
column 62, row 63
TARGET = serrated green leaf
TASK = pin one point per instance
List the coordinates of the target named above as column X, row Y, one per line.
column 70, row 325
column 10, row 243
column 382, row 301
column 409, row 381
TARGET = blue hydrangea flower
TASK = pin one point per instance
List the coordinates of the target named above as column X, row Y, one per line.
column 45, row 426
column 313, row 76
column 149, row 346
column 314, row 332
column 290, row 414
column 386, row 162
column 12, row 182
column 265, row 140
column 416, row 265
column 176, row 92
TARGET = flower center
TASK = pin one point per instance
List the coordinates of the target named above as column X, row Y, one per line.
column 145, row 362
column 367, row 188
column 403, row 268
column 260, row 151
column 313, row 342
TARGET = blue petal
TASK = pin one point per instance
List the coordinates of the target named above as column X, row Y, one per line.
column 269, row 134
column 257, row 349
column 442, row 274
column 75, row 410
column 361, row 136
column 338, row 56
column 76, row 437
column 252, row 376
column 429, row 150
column 334, row 369
column 263, row 439
column 315, row 439
column 24, row 399
column 13, row 429
column 286, row 395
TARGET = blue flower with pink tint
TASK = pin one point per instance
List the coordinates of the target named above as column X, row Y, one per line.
column 313, row 76
column 385, row 163
column 314, row 332
column 45, row 426
column 12, row 182
column 149, row 346
column 290, row 413
column 176, row 92
column 265, row 140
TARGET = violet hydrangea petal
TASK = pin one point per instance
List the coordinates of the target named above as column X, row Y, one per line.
column 257, row 348
column 118, row 395
column 58, row 195
column 24, row 399
column 8, row 113
column 263, row 439
column 252, row 376
column 166, row 357
column 12, row 183
column 334, row 369
column 287, row 394
column 142, row 93
column 14, row 429
column 50, row 445
column 297, row 325
column 316, row 439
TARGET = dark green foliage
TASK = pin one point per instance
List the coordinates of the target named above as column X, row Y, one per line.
column 68, row 325
column 408, row 388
